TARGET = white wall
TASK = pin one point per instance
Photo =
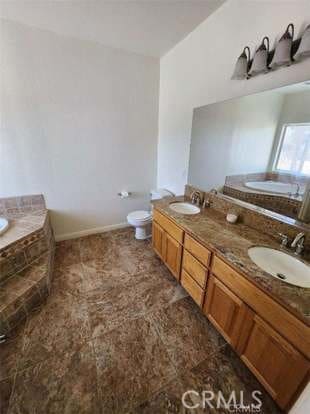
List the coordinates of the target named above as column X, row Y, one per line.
column 296, row 108
column 198, row 70
column 232, row 137
column 78, row 124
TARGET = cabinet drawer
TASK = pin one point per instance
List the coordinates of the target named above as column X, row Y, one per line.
column 192, row 288
column 293, row 329
column 168, row 226
column 197, row 250
column 195, row 269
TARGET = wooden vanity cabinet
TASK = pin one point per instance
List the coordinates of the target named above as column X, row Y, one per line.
column 167, row 241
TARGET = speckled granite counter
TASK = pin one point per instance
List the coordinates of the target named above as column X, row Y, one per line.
column 231, row 242
column 21, row 226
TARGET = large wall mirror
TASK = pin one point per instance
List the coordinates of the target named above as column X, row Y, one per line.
column 255, row 148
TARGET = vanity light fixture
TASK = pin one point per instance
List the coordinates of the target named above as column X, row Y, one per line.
column 242, row 65
column 286, row 52
column 282, row 54
column 303, row 50
column 260, row 60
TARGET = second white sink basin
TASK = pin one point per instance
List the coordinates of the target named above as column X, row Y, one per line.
column 184, row 208
column 281, row 265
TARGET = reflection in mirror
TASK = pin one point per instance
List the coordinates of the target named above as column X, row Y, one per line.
column 256, row 148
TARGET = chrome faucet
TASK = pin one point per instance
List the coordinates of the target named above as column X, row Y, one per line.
column 284, row 239
column 297, row 190
column 298, row 243
column 208, row 201
column 196, row 198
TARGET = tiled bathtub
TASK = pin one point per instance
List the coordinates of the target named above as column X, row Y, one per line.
column 26, row 258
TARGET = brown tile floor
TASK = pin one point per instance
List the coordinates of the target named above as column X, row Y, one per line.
column 117, row 335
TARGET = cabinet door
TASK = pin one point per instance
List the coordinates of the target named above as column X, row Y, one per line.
column 226, row 311
column 158, row 240
column 276, row 363
column 173, row 255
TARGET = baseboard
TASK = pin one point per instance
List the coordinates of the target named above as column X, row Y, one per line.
column 88, row 232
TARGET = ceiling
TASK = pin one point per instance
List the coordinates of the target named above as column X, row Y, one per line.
column 147, row 27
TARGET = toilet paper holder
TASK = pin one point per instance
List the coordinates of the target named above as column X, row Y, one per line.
column 124, row 194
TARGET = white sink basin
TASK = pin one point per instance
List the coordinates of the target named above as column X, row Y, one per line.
column 4, row 224
column 184, row 208
column 281, row 265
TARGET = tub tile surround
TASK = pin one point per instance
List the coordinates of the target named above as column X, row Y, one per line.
column 12, row 207
column 282, row 204
column 94, row 348
column 231, row 242
column 26, row 258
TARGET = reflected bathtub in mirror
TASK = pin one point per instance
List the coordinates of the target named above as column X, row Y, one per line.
column 4, row 225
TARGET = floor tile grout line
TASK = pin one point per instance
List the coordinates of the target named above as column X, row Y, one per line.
column 183, row 371
column 16, row 370
column 96, row 366
column 139, row 316
column 177, row 368
column 153, row 326
column 12, row 392
column 55, row 356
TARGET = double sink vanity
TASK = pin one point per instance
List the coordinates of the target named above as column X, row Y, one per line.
column 254, row 294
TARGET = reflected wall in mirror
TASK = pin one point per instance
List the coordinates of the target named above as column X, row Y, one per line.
column 255, row 148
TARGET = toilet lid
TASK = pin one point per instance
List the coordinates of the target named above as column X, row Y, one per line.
column 140, row 215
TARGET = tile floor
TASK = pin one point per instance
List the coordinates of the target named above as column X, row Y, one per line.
column 117, row 335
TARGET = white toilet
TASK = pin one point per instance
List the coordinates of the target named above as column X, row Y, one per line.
column 142, row 219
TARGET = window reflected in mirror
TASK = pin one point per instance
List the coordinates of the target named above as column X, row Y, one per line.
column 294, row 149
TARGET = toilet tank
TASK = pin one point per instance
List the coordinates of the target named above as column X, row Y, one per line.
column 159, row 193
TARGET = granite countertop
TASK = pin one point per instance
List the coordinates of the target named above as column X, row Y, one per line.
column 22, row 225
column 231, row 242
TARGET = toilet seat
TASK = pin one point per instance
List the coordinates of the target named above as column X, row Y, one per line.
column 140, row 216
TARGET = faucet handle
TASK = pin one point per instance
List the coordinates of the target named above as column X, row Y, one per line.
column 196, row 197
column 299, row 247
column 207, row 203
column 284, row 239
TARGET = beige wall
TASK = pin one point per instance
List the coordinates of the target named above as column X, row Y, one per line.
column 78, row 124
column 197, row 72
